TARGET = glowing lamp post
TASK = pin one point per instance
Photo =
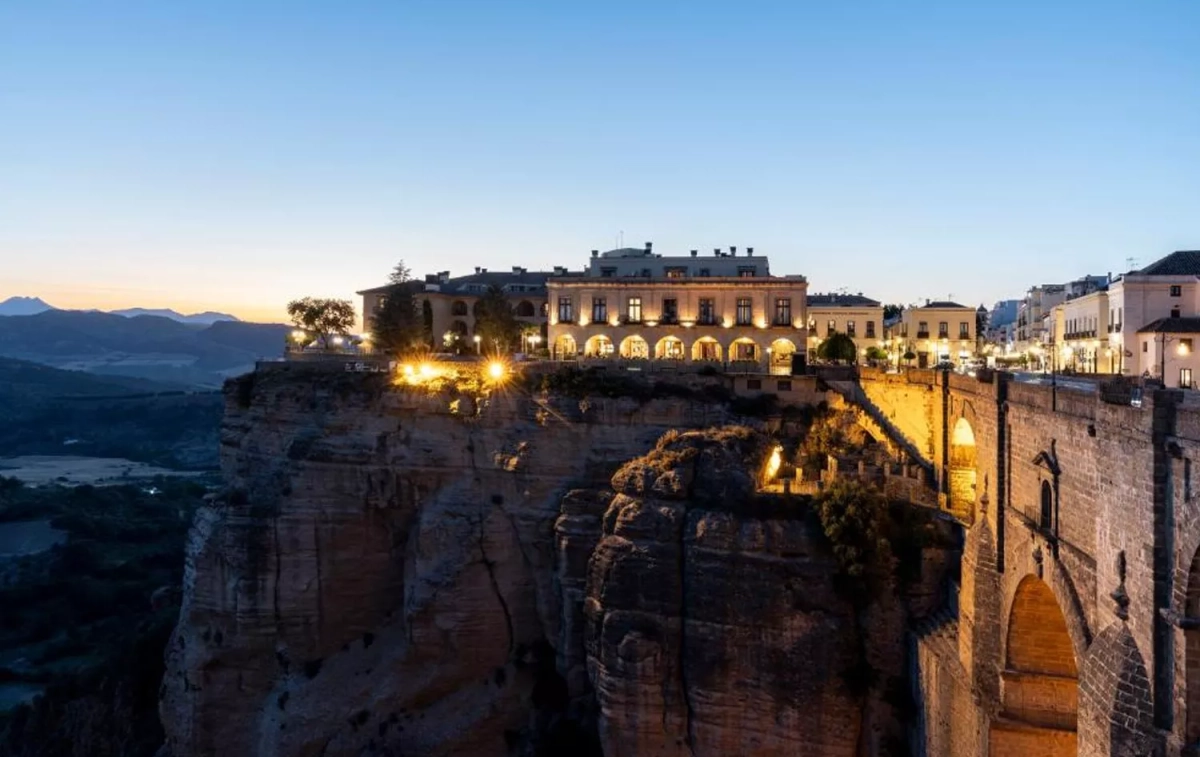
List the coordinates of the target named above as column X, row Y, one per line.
column 477, row 339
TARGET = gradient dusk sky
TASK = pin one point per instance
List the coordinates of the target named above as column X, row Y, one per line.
column 226, row 155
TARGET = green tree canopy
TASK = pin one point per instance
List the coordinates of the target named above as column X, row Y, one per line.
column 400, row 274
column 892, row 311
column 323, row 318
column 398, row 327
column 876, row 353
column 838, row 348
column 495, row 323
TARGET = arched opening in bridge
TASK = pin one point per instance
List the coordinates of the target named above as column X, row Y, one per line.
column 1191, row 636
column 598, row 346
column 669, row 348
column 634, row 348
column 781, row 356
column 962, row 468
column 1040, row 683
column 706, row 348
column 564, row 347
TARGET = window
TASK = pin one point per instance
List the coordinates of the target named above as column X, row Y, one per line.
column 745, row 313
column 1176, row 290
column 754, row 383
column 1047, row 516
column 943, row 329
column 746, row 271
column 1145, row 346
column 850, row 328
column 1174, row 312
column 830, row 327
column 608, row 272
column 704, row 272
column 1185, row 346
column 964, row 330
column 566, row 313
column 1185, row 378
column 633, row 310
column 904, row 329
column 784, row 385
column 870, row 329
column 670, row 310
column 708, row 312
column 599, row 310
column 646, row 273
column 676, row 272
column 783, row 311
column 922, row 330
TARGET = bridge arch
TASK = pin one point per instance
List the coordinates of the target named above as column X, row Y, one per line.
column 963, row 467
column 1040, row 678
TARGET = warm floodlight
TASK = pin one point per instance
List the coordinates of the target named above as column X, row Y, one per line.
column 495, row 369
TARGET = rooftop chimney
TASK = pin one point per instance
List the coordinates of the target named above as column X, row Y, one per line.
column 694, row 252
column 517, row 269
column 926, row 302
column 649, row 246
column 749, row 252
column 443, row 276
column 717, row 252
column 733, row 250
column 595, row 253
column 483, row 270
column 478, row 269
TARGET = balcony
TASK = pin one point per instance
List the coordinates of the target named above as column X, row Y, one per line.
column 669, row 320
column 943, row 335
column 706, row 321
column 922, row 335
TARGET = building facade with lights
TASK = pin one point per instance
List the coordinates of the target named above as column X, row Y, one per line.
column 936, row 332
column 854, row 315
column 633, row 304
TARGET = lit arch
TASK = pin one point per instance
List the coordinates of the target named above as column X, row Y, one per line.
column 598, row 346
column 1040, row 682
column 781, row 356
column 565, row 347
column 634, row 348
column 744, row 349
column 669, row 348
column 962, row 469
column 706, row 349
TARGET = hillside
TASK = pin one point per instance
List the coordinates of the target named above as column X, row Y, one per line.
column 149, row 347
column 46, row 411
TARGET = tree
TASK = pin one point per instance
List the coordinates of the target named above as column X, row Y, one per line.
column 495, row 323
column 854, row 518
column 400, row 274
column 876, row 353
column 322, row 318
column 397, row 328
column 910, row 356
column 892, row 311
column 838, row 348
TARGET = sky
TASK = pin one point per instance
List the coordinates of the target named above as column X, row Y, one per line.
column 232, row 155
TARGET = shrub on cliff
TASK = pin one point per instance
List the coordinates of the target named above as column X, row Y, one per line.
column 854, row 517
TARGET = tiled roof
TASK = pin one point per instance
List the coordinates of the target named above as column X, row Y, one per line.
column 1190, row 325
column 1180, row 263
column 471, row 282
column 943, row 304
column 840, row 300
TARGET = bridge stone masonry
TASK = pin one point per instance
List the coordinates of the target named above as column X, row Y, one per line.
column 1075, row 628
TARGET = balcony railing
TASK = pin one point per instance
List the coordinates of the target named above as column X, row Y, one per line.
column 922, row 335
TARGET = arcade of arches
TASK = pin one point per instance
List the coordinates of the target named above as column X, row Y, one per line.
column 778, row 354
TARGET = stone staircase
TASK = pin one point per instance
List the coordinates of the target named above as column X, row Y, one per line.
column 875, row 420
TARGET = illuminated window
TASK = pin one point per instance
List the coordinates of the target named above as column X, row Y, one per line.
column 599, row 310
column 633, row 310
column 745, row 313
column 783, row 311
column 566, row 311
column 708, row 312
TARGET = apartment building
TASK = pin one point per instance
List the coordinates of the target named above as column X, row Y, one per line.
column 724, row 308
column 1158, row 302
column 937, row 332
column 859, row 317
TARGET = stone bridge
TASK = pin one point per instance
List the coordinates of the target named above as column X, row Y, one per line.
column 1076, row 628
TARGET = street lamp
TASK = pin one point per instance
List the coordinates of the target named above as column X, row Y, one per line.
column 477, row 339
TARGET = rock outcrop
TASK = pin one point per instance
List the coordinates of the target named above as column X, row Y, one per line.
column 380, row 577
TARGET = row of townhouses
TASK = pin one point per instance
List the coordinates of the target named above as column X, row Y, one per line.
column 722, row 307
column 1141, row 323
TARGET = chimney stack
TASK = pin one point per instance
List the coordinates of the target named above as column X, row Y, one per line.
column 716, row 252
column 478, row 269
column 749, row 252
column 517, row 269
column 694, row 253
column 443, row 276
column 649, row 247
column 733, row 250
column 926, row 302
column 595, row 253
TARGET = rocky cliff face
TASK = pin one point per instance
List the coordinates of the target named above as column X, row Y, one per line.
column 396, row 572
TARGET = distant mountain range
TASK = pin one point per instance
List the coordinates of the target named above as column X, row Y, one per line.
column 35, row 305
column 144, row 346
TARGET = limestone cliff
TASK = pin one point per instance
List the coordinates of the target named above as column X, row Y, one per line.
column 381, row 576
column 421, row 573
